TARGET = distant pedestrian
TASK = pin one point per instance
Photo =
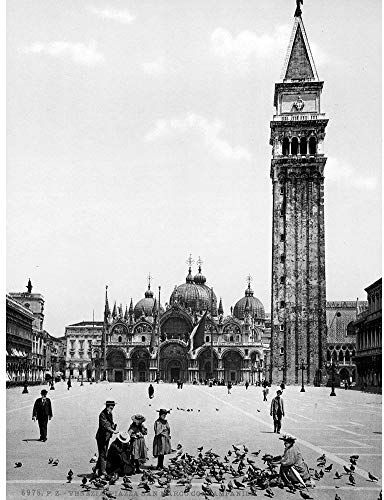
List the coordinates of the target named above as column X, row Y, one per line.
column 282, row 386
column 229, row 387
column 181, row 384
column 151, row 391
column 162, row 439
column 104, row 433
column 137, row 431
column 265, row 393
column 277, row 411
column 69, row 383
column 246, row 384
column 42, row 411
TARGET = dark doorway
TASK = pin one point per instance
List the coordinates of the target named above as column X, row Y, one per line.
column 175, row 373
column 118, row 375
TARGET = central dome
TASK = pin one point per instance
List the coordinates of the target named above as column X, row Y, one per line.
column 194, row 294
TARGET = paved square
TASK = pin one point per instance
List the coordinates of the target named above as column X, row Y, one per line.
column 347, row 424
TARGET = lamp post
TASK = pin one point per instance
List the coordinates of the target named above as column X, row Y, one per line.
column 302, row 368
column 25, row 389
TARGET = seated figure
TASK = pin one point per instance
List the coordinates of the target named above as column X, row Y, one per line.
column 119, row 456
column 293, row 469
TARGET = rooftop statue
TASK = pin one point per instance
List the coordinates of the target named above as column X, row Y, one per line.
column 298, row 9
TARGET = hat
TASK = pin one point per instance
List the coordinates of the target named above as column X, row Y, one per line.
column 138, row 419
column 44, row 392
column 163, row 411
column 110, row 403
column 124, row 437
column 279, row 392
column 287, row 437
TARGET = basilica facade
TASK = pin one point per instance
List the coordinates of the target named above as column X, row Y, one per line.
column 146, row 342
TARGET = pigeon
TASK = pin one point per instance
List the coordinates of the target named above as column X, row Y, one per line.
column 108, row 494
column 337, row 497
column 235, row 448
column 329, row 468
column 167, row 491
column 55, row 462
column 352, row 467
column 269, row 492
column 256, row 453
column 245, row 448
column 92, row 461
column 253, row 490
column 337, row 475
column 69, row 478
column 321, row 473
column 145, row 486
column 187, row 488
column 317, row 475
column 291, row 488
column 70, row 472
column 50, row 460
column 322, row 458
column 179, row 446
column 222, row 488
column 207, row 490
column 230, row 486
column 348, row 471
column 372, row 477
column 305, row 495
column 217, row 409
column 354, row 457
column 257, row 410
column 238, row 484
column 352, row 480
column 84, row 481
column 18, row 464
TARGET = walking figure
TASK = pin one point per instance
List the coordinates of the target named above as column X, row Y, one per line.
column 151, row 391
column 246, row 384
column 229, row 387
column 69, row 384
column 162, row 439
column 42, row 411
column 277, row 411
column 265, row 393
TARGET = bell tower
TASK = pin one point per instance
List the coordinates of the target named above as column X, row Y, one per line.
column 298, row 299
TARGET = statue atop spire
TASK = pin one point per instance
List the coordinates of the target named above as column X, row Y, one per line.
column 298, row 11
column 149, row 278
column 29, row 286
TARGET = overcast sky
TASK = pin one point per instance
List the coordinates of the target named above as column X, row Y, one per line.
column 138, row 132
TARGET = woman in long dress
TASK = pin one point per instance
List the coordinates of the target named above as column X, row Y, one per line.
column 293, row 469
column 162, row 439
column 137, row 431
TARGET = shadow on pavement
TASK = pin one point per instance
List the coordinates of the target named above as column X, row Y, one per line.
column 27, row 440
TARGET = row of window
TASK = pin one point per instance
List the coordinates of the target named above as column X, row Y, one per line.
column 293, row 147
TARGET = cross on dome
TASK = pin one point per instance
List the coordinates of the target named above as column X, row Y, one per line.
column 189, row 261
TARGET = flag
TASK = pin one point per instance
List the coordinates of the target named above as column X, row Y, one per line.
column 196, row 338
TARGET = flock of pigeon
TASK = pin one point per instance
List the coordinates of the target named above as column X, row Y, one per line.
column 237, row 471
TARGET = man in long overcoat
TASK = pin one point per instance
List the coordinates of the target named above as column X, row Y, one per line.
column 277, row 411
column 104, row 434
column 42, row 411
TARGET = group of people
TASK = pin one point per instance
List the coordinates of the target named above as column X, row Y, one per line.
column 128, row 451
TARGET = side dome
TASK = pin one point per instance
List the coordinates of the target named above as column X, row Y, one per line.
column 256, row 308
column 146, row 306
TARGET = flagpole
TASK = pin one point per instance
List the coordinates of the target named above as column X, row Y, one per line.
column 212, row 334
column 158, row 337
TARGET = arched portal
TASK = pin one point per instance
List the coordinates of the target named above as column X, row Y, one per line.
column 140, row 365
column 233, row 364
column 205, row 365
column 116, row 364
column 174, row 362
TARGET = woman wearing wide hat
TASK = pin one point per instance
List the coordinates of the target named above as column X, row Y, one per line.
column 137, row 431
column 293, row 469
column 162, row 439
column 118, row 457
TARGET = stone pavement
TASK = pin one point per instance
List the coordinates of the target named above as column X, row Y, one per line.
column 340, row 426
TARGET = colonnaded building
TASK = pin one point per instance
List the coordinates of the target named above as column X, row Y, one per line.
column 147, row 341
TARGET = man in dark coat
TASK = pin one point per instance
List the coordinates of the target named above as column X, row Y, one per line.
column 42, row 411
column 151, row 391
column 277, row 411
column 104, row 434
